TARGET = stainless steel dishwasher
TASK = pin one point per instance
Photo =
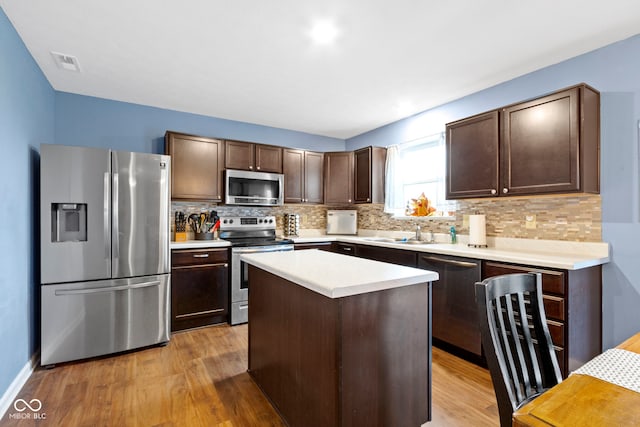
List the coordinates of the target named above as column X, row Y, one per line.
column 454, row 318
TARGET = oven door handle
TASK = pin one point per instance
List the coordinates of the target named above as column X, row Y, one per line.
column 261, row 249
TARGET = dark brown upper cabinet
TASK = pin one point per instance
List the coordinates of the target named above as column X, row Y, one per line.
column 543, row 146
column 197, row 165
column 338, row 177
column 472, row 156
column 303, row 176
column 253, row 157
column 369, row 165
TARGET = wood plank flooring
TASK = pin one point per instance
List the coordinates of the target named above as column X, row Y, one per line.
column 200, row 379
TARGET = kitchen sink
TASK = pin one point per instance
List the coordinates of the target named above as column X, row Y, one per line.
column 404, row 241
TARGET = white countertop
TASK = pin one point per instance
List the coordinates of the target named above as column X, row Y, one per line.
column 335, row 275
column 541, row 253
column 199, row 244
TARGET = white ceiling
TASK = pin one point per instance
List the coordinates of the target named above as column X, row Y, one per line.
column 253, row 61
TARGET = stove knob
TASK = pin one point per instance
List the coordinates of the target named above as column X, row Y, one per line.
column 230, row 221
column 270, row 220
column 260, row 221
column 224, row 222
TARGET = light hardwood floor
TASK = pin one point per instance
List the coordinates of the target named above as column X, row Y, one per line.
column 200, row 379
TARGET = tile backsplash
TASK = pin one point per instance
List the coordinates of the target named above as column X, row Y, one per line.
column 559, row 217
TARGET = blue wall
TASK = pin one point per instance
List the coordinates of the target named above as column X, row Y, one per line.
column 96, row 122
column 615, row 71
column 26, row 120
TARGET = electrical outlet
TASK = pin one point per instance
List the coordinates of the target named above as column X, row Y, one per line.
column 530, row 221
column 465, row 221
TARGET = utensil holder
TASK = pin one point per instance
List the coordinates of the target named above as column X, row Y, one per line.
column 203, row 236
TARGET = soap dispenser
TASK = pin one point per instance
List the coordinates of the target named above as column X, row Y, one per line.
column 452, row 232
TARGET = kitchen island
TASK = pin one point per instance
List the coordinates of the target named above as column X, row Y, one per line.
column 340, row 341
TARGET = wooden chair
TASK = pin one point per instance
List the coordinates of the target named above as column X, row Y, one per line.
column 516, row 340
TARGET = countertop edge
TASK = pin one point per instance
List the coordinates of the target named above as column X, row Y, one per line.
column 418, row 276
column 534, row 258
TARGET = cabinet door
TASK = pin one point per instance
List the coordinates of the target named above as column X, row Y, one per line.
column 268, row 158
column 199, row 288
column 293, row 169
column 313, row 177
column 390, row 255
column 338, row 177
column 540, row 145
column 362, row 175
column 239, row 155
column 369, row 165
column 197, row 166
column 472, row 156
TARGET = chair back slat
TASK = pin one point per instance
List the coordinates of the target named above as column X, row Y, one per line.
column 516, row 339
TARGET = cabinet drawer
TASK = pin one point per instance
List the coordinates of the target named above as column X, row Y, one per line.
column 553, row 307
column 552, row 281
column 556, row 329
column 191, row 257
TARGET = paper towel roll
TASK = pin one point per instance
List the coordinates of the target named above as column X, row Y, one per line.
column 477, row 230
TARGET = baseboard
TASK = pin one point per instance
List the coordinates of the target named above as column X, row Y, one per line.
column 18, row 382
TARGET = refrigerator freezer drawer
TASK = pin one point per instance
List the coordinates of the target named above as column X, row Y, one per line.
column 88, row 319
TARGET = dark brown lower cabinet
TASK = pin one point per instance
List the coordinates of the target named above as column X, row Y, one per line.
column 361, row 360
column 573, row 306
column 323, row 246
column 390, row 255
column 199, row 287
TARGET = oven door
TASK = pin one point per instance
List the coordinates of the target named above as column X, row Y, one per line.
column 239, row 280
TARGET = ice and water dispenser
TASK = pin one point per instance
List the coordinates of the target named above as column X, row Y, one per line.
column 68, row 222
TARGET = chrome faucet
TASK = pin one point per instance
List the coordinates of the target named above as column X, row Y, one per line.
column 418, row 234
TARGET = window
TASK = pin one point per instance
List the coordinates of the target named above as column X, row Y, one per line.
column 414, row 168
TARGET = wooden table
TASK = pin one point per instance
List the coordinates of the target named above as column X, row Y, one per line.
column 582, row 400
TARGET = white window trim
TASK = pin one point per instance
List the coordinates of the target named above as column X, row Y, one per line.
column 394, row 203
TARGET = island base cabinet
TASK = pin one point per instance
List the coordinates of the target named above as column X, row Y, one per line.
column 362, row 360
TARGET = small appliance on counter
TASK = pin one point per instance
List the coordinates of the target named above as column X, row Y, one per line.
column 342, row 222
column 291, row 225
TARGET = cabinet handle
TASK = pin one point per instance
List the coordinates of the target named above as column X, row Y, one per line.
column 250, row 167
column 201, row 255
column 505, row 190
column 347, row 249
column 349, row 200
column 450, row 261
column 258, row 167
column 368, row 199
column 493, row 191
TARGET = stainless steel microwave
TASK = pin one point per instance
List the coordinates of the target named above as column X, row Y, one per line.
column 253, row 188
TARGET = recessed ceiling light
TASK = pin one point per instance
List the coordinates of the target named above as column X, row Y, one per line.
column 66, row 62
column 324, row 32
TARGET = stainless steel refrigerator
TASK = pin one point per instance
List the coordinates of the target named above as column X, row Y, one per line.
column 105, row 256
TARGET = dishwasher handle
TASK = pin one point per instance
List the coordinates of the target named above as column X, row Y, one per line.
column 463, row 264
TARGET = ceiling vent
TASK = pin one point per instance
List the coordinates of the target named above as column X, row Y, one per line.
column 66, row 62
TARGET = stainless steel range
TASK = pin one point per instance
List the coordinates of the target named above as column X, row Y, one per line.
column 248, row 235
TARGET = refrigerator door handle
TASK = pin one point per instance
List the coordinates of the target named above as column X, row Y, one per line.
column 116, row 237
column 62, row 292
column 107, row 228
